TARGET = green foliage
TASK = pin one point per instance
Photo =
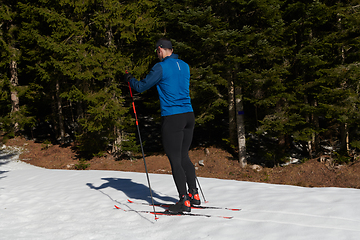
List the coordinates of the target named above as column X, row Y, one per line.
column 74, row 54
column 341, row 158
column 355, row 144
column 129, row 144
column 20, row 117
column 297, row 64
column 45, row 144
column 5, row 106
column 104, row 113
column 91, row 143
column 82, row 165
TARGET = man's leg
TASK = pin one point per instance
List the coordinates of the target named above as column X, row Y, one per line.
column 172, row 137
column 186, row 163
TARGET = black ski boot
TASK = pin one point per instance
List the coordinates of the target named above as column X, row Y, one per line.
column 194, row 197
column 182, row 206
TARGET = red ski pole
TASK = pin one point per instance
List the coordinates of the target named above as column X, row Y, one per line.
column 142, row 149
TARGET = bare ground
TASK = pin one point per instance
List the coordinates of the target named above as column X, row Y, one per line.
column 217, row 163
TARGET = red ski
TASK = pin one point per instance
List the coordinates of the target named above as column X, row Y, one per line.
column 193, row 207
column 167, row 213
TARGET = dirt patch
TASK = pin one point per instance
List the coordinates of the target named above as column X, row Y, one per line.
column 209, row 162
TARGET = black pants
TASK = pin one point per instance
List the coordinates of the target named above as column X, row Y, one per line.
column 177, row 133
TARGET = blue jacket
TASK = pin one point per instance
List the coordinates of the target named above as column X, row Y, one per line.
column 172, row 79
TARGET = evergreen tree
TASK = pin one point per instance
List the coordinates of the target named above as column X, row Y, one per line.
column 315, row 54
column 228, row 45
column 13, row 117
column 291, row 66
column 74, row 50
column 5, row 106
column 194, row 30
column 339, row 96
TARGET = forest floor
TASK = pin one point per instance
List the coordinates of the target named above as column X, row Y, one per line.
column 209, row 162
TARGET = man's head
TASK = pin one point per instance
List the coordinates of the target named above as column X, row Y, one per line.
column 163, row 48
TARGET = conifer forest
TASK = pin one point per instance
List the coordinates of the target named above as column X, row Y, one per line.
column 270, row 79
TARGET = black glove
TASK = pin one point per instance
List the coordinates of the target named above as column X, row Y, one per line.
column 127, row 77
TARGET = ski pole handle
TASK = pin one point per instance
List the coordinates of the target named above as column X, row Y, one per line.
column 133, row 103
column 126, row 72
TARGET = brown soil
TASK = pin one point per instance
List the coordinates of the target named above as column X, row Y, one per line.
column 217, row 163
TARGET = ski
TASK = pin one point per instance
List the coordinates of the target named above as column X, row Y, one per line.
column 167, row 213
column 193, row 207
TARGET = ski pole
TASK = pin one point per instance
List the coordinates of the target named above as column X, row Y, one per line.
column 142, row 149
column 200, row 189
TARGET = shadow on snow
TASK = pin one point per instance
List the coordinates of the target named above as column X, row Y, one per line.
column 131, row 189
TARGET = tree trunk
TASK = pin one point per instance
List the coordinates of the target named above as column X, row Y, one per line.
column 344, row 128
column 240, row 127
column 345, row 137
column 116, row 146
column 310, row 143
column 232, row 113
column 59, row 112
column 315, row 137
column 14, row 94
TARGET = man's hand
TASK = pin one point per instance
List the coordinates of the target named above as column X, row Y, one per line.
column 127, row 77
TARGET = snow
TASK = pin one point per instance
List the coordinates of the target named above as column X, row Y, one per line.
column 37, row 203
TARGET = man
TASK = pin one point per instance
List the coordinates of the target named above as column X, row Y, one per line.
column 172, row 79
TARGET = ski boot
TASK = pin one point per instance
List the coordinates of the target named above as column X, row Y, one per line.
column 182, row 206
column 194, row 197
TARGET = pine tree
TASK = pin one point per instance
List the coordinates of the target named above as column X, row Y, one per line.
column 5, row 106
column 74, row 51
column 13, row 117
column 253, row 60
column 316, row 96
column 194, row 30
column 227, row 44
column 339, row 96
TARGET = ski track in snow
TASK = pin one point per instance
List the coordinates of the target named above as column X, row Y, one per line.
column 37, row 203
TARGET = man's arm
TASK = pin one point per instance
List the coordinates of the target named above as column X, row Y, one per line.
column 150, row 80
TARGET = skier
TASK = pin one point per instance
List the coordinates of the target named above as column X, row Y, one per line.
column 172, row 79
